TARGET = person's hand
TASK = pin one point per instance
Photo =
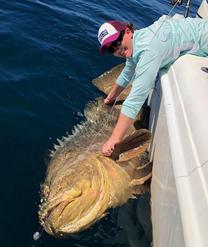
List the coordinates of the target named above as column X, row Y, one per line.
column 109, row 146
column 107, row 101
column 113, row 94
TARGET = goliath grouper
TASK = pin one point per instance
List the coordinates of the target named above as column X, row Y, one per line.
column 81, row 184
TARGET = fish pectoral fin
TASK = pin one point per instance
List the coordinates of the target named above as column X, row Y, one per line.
column 138, row 138
column 136, row 182
column 144, row 172
column 140, row 189
column 105, row 81
column 141, row 180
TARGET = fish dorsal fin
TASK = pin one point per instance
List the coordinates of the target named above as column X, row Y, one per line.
column 105, row 81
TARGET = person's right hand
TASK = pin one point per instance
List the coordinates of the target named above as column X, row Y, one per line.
column 109, row 146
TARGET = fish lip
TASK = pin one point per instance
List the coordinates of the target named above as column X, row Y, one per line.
column 82, row 223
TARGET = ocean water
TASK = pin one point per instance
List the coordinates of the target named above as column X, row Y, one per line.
column 49, row 55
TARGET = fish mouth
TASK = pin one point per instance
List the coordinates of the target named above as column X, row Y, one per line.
column 75, row 210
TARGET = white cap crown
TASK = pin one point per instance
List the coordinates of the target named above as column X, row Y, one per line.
column 105, row 31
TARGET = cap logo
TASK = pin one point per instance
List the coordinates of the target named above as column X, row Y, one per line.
column 102, row 35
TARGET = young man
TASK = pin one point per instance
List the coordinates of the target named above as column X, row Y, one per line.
column 146, row 51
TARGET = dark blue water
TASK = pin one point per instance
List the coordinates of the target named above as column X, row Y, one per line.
column 49, row 55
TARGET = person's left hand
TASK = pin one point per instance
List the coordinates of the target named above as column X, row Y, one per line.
column 109, row 146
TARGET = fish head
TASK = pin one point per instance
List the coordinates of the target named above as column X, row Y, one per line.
column 76, row 196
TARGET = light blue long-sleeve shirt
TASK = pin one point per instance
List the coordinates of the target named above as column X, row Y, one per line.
column 155, row 47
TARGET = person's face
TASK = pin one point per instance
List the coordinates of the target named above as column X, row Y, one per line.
column 123, row 46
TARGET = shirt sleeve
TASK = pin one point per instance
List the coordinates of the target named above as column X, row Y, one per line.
column 145, row 75
column 126, row 74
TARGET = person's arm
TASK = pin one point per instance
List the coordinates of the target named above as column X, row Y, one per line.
column 121, row 82
column 126, row 74
column 119, row 132
column 113, row 94
column 146, row 73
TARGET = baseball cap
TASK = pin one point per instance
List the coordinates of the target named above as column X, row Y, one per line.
column 109, row 32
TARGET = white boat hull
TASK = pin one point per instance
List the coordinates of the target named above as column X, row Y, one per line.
column 179, row 123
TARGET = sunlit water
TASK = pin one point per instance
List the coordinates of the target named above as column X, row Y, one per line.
column 49, row 55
